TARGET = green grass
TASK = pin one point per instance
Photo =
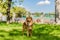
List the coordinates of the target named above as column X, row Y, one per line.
column 40, row 32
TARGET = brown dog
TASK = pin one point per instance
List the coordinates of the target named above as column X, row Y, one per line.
column 27, row 25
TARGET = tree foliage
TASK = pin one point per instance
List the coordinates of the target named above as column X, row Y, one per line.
column 3, row 6
column 18, row 10
column 15, row 9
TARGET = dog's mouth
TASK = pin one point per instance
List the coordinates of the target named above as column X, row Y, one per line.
column 28, row 24
column 28, row 21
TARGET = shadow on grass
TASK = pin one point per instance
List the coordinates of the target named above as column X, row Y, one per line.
column 39, row 33
column 35, row 36
column 43, row 36
column 15, row 33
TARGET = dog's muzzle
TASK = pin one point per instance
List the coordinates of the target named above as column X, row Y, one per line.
column 28, row 24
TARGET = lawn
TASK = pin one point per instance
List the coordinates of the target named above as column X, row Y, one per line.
column 40, row 32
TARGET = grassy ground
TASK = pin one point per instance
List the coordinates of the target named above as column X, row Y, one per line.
column 40, row 32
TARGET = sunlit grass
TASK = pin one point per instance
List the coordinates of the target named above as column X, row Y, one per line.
column 13, row 31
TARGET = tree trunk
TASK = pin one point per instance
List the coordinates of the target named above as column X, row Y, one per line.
column 55, row 12
column 8, row 11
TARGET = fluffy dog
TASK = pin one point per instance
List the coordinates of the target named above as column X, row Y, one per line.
column 27, row 25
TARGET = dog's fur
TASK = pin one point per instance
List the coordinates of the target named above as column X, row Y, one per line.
column 27, row 25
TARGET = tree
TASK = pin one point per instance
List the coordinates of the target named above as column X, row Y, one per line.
column 2, row 6
column 19, row 11
column 8, row 9
column 5, row 8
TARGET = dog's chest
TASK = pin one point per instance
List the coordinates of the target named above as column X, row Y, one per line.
column 28, row 24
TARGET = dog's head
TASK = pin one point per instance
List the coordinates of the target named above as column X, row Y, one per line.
column 29, row 19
